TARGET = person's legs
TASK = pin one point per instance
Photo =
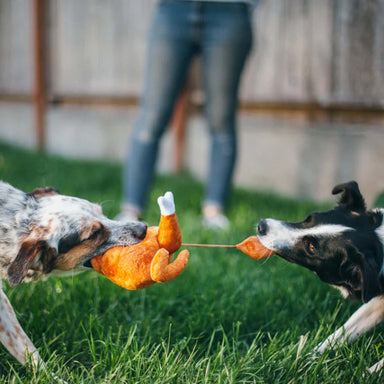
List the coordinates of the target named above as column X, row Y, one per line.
column 170, row 51
column 226, row 43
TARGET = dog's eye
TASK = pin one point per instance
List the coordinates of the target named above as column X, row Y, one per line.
column 311, row 246
column 68, row 242
column 95, row 235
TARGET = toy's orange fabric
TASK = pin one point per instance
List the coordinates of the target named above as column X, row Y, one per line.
column 169, row 236
column 252, row 247
column 141, row 265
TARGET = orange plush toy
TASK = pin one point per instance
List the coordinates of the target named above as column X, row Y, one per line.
column 150, row 261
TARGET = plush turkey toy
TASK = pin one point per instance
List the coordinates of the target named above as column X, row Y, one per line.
column 143, row 264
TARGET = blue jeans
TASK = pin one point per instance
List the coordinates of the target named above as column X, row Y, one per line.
column 221, row 33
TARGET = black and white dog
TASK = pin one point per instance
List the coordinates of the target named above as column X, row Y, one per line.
column 344, row 247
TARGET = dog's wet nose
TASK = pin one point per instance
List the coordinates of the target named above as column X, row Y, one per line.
column 262, row 227
column 140, row 230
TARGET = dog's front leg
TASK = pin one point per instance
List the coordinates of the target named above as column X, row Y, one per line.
column 12, row 335
column 363, row 320
column 377, row 367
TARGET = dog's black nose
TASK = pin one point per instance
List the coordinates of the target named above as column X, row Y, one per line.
column 139, row 230
column 262, row 227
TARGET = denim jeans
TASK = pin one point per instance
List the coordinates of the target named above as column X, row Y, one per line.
column 221, row 34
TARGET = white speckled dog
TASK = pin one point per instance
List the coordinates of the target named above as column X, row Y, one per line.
column 42, row 233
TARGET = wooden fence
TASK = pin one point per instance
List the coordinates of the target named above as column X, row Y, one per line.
column 315, row 77
column 322, row 52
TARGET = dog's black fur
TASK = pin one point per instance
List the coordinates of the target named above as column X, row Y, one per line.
column 351, row 259
column 344, row 247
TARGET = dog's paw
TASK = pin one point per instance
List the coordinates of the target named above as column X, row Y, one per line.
column 320, row 349
column 332, row 342
column 376, row 367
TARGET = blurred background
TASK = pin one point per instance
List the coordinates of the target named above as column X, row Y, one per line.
column 312, row 97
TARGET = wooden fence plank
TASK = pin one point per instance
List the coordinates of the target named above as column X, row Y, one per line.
column 15, row 47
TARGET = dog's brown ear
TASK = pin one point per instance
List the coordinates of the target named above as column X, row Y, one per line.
column 29, row 249
column 350, row 197
column 42, row 192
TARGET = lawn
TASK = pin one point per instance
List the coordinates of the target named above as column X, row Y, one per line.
column 226, row 319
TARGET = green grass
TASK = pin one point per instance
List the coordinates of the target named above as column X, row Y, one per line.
column 226, row 319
